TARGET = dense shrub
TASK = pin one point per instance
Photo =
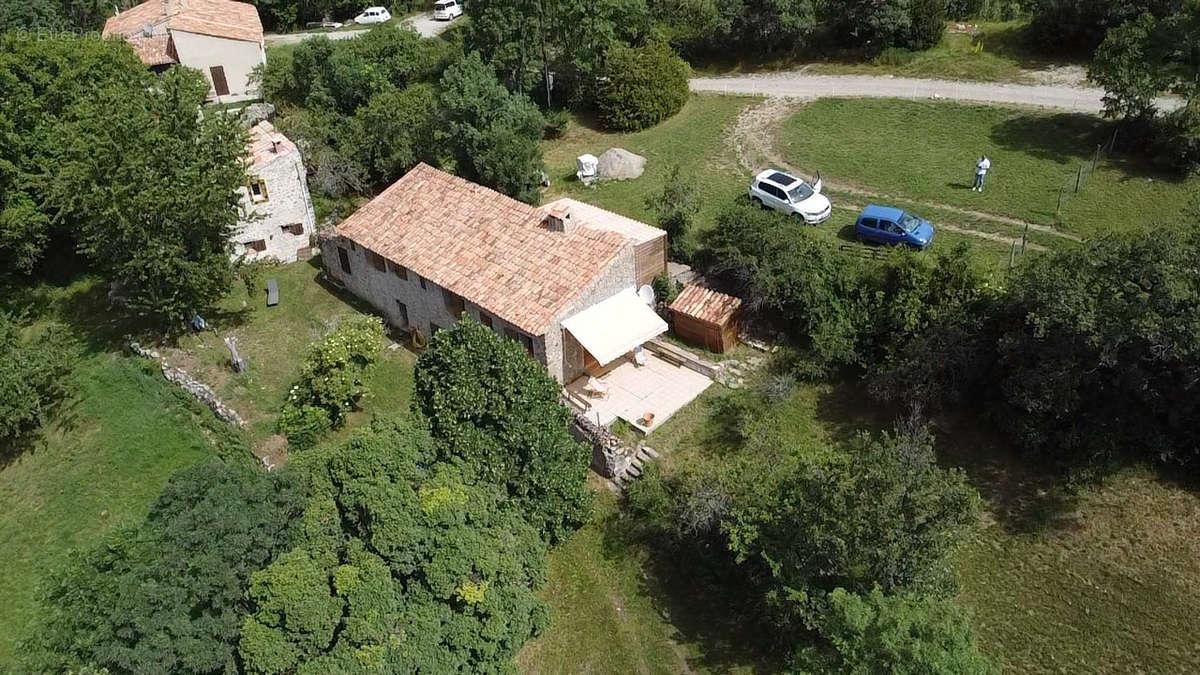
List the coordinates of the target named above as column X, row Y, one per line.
column 169, row 594
column 331, row 380
column 1175, row 143
column 495, row 412
column 675, row 209
column 642, row 87
column 401, row 566
column 1079, row 26
column 905, row 634
column 33, row 370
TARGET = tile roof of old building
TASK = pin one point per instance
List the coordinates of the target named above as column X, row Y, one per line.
column 706, row 304
column 492, row 250
column 155, row 50
column 266, row 144
column 218, row 18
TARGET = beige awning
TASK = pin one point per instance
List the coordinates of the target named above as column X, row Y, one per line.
column 615, row 326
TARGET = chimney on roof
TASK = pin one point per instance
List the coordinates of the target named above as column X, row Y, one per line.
column 559, row 220
column 275, row 141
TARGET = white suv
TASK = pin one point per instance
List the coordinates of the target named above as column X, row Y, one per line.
column 784, row 192
column 445, row 10
column 373, row 15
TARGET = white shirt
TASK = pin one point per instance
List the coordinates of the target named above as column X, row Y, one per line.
column 983, row 166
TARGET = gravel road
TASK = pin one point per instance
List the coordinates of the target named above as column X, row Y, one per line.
column 797, row 84
column 424, row 23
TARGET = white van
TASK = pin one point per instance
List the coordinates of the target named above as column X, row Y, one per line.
column 373, row 15
column 445, row 10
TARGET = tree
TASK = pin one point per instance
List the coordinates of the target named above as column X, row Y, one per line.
column 153, row 186
column 1079, row 26
column 885, row 514
column 642, row 87
column 494, row 136
column 495, row 412
column 875, row 25
column 675, row 208
column 47, row 85
column 394, row 131
column 32, row 376
column 402, row 566
column 905, row 634
column 169, row 594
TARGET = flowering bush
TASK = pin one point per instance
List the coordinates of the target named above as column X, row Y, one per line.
column 331, row 380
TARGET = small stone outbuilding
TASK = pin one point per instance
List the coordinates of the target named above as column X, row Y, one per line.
column 708, row 318
column 278, row 219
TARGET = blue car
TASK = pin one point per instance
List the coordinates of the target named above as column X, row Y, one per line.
column 888, row 225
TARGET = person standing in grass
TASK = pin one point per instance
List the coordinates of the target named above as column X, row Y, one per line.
column 981, row 169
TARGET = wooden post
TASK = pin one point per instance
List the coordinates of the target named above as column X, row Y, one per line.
column 1012, row 254
column 1058, row 211
column 1078, row 177
column 1024, row 238
column 1095, row 159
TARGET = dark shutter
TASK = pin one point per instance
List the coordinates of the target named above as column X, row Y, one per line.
column 344, row 259
column 218, row 78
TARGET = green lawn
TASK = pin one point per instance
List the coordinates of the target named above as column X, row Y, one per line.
column 604, row 621
column 694, row 139
column 102, row 462
column 925, row 151
column 274, row 341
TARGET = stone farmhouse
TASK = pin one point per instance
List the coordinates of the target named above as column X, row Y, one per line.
column 221, row 38
column 560, row 279
column 278, row 220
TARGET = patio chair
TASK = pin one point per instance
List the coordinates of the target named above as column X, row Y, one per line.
column 595, row 388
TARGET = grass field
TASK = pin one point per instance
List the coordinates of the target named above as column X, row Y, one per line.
column 125, row 430
column 1004, row 57
column 926, row 152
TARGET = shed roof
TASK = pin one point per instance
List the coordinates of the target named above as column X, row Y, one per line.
column 155, row 50
column 706, row 304
column 218, row 18
column 491, row 249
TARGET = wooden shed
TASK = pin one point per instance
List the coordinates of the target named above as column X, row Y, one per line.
column 706, row 317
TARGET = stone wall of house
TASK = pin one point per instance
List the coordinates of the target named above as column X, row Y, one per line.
column 386, row 289
column 566, row 352
column 288, row 203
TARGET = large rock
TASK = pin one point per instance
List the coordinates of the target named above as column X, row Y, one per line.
column 619, row 164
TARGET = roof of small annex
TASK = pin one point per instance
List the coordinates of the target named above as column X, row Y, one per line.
column 267, row 144
column 155, row 50
column 706, row 304
column 598, row 219
column 494, row 251
column 217, row 18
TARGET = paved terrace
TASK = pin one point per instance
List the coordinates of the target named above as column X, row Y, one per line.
column 659, row 387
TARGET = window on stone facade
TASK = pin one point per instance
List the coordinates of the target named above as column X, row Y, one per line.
column 422, row 280
column 344, row 259
column 453, row 301
column 259, row 245
column 294, row 228
column 403, row 310
column 377, row 261
column 525, row 340
column 433, row 329
column 485, row 319
column 258, row 191
column 400, row 271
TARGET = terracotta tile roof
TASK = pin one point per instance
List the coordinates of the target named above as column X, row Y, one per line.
column 219, row 18
column 599, row 219
column 706, row 304
column 492, row 250
column 267, row 144
column 156, row 50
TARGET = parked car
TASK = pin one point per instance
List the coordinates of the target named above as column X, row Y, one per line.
column 889, row 225
column 373, row 15
column 784, row 192
column 446, row 10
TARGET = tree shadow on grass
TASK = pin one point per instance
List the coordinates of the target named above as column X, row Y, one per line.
column 709, row 611
column 1065, row 138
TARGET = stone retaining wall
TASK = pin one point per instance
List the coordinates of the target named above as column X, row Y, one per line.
column 200, row 391
column 611, row 458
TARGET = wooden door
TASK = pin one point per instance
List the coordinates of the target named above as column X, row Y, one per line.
column 220, row 85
